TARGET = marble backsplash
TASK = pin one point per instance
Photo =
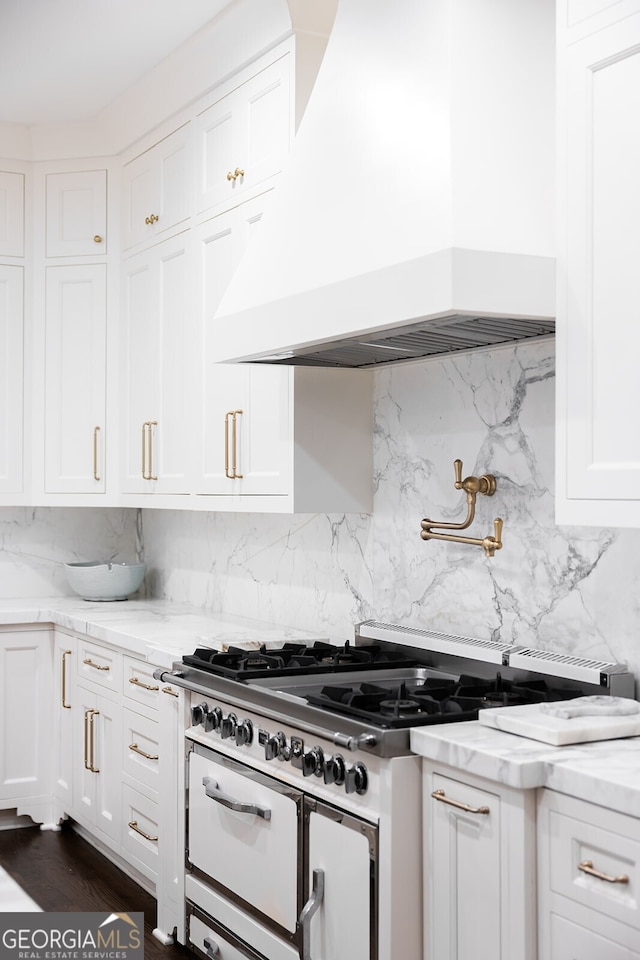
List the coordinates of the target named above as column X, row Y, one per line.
column 563, row 588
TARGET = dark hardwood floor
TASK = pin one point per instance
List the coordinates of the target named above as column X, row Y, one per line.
column 62, row 872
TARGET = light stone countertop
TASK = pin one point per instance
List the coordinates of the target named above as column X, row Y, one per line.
column 159, row 630
column 605, row 772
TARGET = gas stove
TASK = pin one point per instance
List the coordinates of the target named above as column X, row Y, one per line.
column 369, row 693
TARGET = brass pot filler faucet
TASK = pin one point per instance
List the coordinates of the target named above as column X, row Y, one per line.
column 486, row 485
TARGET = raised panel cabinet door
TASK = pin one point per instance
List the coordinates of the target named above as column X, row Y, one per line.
column 98, row 768
column 11, row 214
column 11, row 376
column 464, row 872
column 599, row 281
column 244, row 138
column 139, row 393
column 25, row 684
column 157, row 190
column 75, row 379
column 76, row 210
column 64, row 714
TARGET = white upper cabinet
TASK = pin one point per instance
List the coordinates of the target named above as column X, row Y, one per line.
column 11, row 376
column 156, row 364
column 157, row 190
column 11, row 214
column 244, row 137
column 598, row 452
column 76, row 211
column 75, row 379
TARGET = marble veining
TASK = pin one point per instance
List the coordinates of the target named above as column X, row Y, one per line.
column 573, row 590
column 13, row 899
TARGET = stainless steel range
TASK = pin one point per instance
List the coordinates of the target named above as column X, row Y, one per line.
column 303, row 798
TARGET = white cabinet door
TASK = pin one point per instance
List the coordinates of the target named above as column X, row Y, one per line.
column 25, row 754
column 570, row 941
column 64, row 712
column 244, row 138
column 76, row 214
column 245, row 441
column 157, row 344
column 98, row 766
column 75, row 379
column 11, row 214
column 157, row 190
column 340, row 855
column 12, row 378
column 598, row 457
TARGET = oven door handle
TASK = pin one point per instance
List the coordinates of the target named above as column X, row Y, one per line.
column 212, row 791
column 307, row 912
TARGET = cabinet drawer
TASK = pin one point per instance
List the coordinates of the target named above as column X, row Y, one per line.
column 141, row 751
column 591, row 852
column 139, row 683
column 140, row 829
column 211, row 943
column 100, row 665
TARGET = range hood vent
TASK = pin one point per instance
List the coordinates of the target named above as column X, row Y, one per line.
column 415, row 214
column 434, row 337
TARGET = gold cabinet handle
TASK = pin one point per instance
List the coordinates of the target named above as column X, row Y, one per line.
column 63, row 681
column 236, row 173
column 96, row 666
column 147, row 449
column 151, row 219
column 89, row 742
column 443, row 798
column 134, row 826
column 139, row 683
column 587, row 867
column 97, row 238
column 148, row 756
column 172, row 693
column 231, row 446
column 96, row 431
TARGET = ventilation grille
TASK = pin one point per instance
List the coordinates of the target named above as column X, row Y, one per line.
column 427, row 338
column 564, row 665
column 490, row 651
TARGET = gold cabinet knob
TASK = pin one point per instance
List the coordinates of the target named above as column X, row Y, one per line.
column 97, row 238
column 236, row 173
column 153, row 218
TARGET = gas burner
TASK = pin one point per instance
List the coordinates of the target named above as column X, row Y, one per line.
column 399, row 707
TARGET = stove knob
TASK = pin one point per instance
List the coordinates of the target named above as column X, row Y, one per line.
column 313, row 762
column 274, row 745
column 356, row 779
column 198, row 714
column 228, row 726
column 334, row 770
column 213, row 719
column 244, row 733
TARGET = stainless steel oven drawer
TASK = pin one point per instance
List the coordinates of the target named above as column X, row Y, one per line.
column 245, row 834
column 212, row 918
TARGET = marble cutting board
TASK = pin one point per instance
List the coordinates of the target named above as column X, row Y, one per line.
column 528, row 721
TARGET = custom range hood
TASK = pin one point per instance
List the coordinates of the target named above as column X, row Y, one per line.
column 415, row 214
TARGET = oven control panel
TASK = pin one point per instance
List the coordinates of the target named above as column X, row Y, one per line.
column 280, row 746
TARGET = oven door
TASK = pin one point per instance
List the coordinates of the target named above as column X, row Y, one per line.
column 244, row 837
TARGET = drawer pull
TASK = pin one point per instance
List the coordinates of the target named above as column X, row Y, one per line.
column 212, row 948
column 443, row 798
column 134, row 826
column 212, row 791
column 96, row 666
column 136, row 749
column 172, row 693
column 139, row 683
column 587, row 867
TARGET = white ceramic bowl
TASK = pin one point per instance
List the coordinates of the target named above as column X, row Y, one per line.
column 102, row 580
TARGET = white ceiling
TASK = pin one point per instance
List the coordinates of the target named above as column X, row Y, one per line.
column 65, row 60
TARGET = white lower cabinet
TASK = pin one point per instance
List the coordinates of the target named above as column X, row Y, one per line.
column 64, row 672
column 25, row 745
column 588, row 881
column 97, row 763
column 479, row 868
